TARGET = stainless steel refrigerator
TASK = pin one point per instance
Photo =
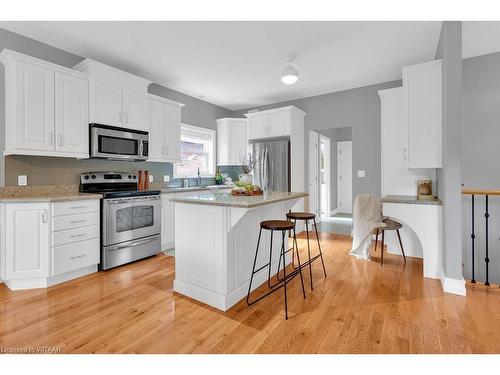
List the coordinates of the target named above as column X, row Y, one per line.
column 272, row 172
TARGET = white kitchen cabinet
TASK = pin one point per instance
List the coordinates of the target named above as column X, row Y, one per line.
column 232, row 141
column 117, row 98
column 278, row 124
column 422, row 85
column 397, row 178
column 43, row 244
column 173, row 131
column 165, row 129
column 105, row 103
column 33, row 107
column 257, row 126
column 271, row 123
column 135, row 109
column 167, row 222
column 26, row 241
column 46, row 108
column 72, row 116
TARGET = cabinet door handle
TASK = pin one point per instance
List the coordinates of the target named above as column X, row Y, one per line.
column 166, row 150
column 61, row 139
column 78, row 221
column 51, row 138
column 78, row 256
column 78, row 235
column 44, row 216
column 119, row 117
column 404, row 153
column 77, row 207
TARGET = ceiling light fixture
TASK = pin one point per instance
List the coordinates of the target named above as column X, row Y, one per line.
column 290, row 72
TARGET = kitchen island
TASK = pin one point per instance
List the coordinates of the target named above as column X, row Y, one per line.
column 215, row 240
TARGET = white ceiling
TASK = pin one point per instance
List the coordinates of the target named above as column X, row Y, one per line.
column 237, row 64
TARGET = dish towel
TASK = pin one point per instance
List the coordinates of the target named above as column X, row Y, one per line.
column 367, row 215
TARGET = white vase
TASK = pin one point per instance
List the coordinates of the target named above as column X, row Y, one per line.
column 246, row 178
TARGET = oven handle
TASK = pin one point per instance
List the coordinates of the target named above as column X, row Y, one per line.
column 130, row 244
column 118, row 201
column 148, row 198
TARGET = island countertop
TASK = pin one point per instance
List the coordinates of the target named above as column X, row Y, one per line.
column 227, row 200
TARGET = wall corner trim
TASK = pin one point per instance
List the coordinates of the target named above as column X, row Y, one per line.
column 454, row 286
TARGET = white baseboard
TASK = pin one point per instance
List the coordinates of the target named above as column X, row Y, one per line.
column 334, row 211
column 454, row 286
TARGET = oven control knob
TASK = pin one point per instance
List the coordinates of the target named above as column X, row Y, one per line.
column 129, row 177
column 135, row 177
column 93, row 177
column 87, row 177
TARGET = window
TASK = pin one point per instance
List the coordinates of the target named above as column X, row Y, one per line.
column 197, row 151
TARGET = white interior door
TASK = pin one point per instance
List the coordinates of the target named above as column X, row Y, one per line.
column 313, row 173
column 344, row 177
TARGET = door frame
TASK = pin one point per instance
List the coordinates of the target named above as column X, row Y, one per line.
column 339, row 209
column 311, row 161
column 328, row 175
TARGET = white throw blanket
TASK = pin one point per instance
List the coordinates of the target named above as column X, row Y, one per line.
column 367, row 215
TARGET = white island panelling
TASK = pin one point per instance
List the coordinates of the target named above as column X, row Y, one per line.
column 215, row 249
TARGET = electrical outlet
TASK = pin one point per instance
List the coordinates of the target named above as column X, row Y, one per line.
column 361, row 174
column 166, row 178
column 151, row 178
column 22, row 180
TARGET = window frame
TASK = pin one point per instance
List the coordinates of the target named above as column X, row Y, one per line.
column 205, row 134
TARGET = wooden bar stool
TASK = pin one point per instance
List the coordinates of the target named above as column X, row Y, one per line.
column 282, row 226
column 306, row 216
column 391, row 225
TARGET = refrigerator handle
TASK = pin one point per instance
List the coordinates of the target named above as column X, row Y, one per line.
column 264, row 171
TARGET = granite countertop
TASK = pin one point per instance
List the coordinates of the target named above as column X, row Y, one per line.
column 227, row 200
column 410, row 199
column 49, row 197
column 181, row 189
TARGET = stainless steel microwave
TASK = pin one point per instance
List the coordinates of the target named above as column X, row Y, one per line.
column 115, row 143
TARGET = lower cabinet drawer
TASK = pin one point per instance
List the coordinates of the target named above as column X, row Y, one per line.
column 75, row 207
column 75, row 221
column 64, row 237
column 71, row 257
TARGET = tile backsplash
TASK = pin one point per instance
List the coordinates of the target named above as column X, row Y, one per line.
column 45, row 171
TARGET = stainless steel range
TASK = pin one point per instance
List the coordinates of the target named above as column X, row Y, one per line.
column 130, row 218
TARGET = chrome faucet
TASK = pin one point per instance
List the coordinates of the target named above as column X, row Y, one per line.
column 198, row 177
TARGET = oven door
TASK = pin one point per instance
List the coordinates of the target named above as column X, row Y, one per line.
column 126, row 219
column 117, row 144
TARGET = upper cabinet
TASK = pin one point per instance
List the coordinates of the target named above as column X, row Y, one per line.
column 105, row 103
column 117, row 98
column 422, row 128
column 165, row 129
column 271, row 123
column 232, row 141
column 71, row 113
column 46, row 108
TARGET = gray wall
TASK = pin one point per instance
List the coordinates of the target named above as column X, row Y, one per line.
column 356, row 108
column 335, row 135
column 480, row 160
column 450, row 176
column 196, row 112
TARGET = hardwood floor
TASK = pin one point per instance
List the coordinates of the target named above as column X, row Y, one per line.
column 360, row 307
